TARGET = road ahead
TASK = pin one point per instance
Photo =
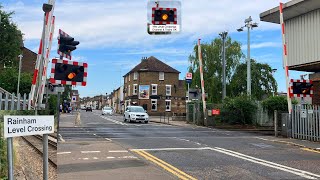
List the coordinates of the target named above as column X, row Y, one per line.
column 158, row 151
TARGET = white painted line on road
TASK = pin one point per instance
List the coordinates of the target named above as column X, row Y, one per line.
column 64, row 153
column 110, row 157
column 127, row 157
column 298, row 172
column 170, row 149
column 108, row 139
column 198, row 143
column 94, row 134
column 85, row 158
column 86, row 152
column 119, row 151
column 95, row 158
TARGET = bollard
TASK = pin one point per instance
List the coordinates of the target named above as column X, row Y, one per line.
column 275, row 123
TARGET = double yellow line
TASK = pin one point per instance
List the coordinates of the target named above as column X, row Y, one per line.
column 180, row 174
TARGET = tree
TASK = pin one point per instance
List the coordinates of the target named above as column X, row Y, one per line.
column 262, row 81
column 212, row 66
column 10, row 40
column 9, row 80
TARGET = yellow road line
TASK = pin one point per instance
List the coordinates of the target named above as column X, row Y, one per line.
column 180, row 174
column 311, row 150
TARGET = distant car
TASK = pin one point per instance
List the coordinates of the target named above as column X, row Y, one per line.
column 135, row 114
column 107, row 111
column 88, row 109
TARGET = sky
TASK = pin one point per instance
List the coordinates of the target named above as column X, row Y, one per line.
column 113, row 36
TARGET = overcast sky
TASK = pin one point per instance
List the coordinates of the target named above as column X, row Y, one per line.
column 113, row 35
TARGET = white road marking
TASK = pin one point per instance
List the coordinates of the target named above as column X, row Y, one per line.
column 119, row 151
column 198, row 143
column 95, row 158
column 127, row 157
column 85, row 158
column 170, row 149
column 110, row 157
column 86, row 152
column 108, row 139
column 64, row 153
column 94, row 134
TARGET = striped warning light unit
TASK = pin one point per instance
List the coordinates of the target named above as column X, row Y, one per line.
column 82, row 82
column 164, row 20
column 291, row 94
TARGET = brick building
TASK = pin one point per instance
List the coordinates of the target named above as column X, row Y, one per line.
column 315, row 77
column 155, row 86
column 28, row 61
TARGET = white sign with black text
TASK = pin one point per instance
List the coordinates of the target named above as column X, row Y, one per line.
column 25, row 125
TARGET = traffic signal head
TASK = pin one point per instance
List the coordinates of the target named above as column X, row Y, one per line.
column 164, row 15
column 68, row 72
column 67, row 44
column 302, row 88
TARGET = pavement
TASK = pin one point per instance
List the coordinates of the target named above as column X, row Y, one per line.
column 103, row 147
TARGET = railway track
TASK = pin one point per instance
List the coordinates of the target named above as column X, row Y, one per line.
column 35, row 141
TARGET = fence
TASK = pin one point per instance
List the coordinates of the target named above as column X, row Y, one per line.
column 12, row 102
column 305, row 122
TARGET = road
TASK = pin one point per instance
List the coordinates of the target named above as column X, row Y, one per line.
column 159, row 151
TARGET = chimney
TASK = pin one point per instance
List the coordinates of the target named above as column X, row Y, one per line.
column 143, row 58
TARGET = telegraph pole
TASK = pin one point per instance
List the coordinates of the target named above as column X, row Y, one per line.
column 224, row 36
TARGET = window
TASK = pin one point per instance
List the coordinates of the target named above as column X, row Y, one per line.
column 168, row 105
column 135, row 75
column 168, row 90
column 125, row 79
column 154, row 88
column 129, row 90
column 135, row 89
column 153, row 104
column 161, row 75
column 129, row 77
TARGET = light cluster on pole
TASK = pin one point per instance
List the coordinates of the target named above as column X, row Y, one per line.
column 223, row 36
column 250, row 25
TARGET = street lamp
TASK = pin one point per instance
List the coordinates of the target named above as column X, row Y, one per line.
column 223, row 36
column 249, row 25
column 20, row 58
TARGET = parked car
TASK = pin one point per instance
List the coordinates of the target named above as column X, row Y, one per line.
column 107, row 111
column 136, row 114
column 88, row 109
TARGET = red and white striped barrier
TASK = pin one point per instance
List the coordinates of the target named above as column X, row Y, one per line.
column 285, row 58
column 40, row 57
column 44, row 72
column 164, row 22
column 53, row 69
column 201, row 77
column 300, row 95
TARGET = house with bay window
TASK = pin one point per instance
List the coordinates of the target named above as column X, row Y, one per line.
column 156, row 87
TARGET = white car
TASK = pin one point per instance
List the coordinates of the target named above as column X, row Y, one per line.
column 107, row 111
column 135, row 114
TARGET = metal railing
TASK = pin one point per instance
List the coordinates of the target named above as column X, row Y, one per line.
column 305, row 122
column 12, row 102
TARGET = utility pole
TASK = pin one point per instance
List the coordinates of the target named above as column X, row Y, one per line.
column 224, row 36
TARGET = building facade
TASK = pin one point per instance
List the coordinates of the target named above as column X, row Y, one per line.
column 156, row 87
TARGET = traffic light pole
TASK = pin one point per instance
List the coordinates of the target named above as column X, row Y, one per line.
column 58, row 111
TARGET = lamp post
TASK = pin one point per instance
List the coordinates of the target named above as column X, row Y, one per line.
column 249, row 25
column 223, row 36
column 20, row 58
